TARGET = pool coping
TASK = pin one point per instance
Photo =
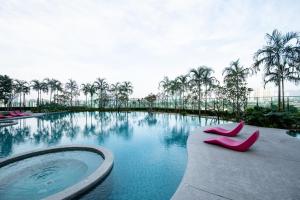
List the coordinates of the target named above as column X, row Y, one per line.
column 7, row 123
column 269, row 170
column 84, row 185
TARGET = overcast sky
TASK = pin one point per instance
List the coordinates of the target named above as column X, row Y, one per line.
column 139, row 41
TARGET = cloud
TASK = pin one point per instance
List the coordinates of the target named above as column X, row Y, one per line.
column 140, row 41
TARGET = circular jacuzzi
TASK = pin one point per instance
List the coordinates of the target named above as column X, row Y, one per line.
column 54, row 173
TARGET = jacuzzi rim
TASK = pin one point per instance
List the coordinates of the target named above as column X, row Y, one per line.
column 82, row 186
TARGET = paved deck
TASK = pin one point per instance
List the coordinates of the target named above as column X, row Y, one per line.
column 269, row 170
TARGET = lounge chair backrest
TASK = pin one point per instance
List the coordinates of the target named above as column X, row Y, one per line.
column 251, row 139
column 238, row 128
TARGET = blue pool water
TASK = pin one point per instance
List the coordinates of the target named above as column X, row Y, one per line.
column 149, row 148
column 41, row 176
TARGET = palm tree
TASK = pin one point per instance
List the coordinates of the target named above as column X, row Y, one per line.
column 44, row 89
column 37, row 86
column 165, row 84
column 115, row 88
column 183, row 83
column 72, row 86
column 173, row 88
column 58, row 87
column 101, row 86
column 86, row 89
column 278, row 58
column 18, row 88
column 208, row 81
column 6, row 89
column 22, row 88
column 53, row 85
column 25, row 90
column 235, row 80
column 126, row 90
column 197, row 81
column 92, row 91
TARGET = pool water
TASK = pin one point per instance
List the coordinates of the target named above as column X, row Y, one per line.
column 294, row 133
column 149, row 148
column 41, row 176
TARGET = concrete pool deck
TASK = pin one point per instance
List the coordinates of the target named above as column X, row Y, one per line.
column 269, row 170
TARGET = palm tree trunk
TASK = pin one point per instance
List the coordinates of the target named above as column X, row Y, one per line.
column 279, row 95
column 50, row 96
column 41, row 100
column 183, row 99
column 71, row 98
column 37, row 100
column 205, row 97
column 20, row 103
column 91, row 101
column 167, row 101
column 24, row 104
column 283, row 101
column 199, row 99
column 237, row 101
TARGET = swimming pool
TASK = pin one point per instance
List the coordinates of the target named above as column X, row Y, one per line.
column 149, row 148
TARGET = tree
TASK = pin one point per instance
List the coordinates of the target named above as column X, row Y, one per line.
column 44, row 89
column 6, row 89
column 37, row 86
column 58, row 86
column 165, row 84
column 235, row 83
column 101, row 87
column 209, row 81
column 21, row 88
column 183, row 82
column 278, row 57
column 174, row 89
column 115, row 88
column 53, row 86
column 151, row 98
column 86, row 89
column 92, row 91
column 197, row 81
column 26, row 91
column 220, row 96
column 18, row 87
column 72, row 88
column 126, row 89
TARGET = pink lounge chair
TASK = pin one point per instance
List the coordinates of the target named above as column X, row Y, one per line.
column 233, row 144
column 13, row 114
column 225, row 132
column 4, row 117
column 21, row 114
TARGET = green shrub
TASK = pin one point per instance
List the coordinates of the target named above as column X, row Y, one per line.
column 268, row 118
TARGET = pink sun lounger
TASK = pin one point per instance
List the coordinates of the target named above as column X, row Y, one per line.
column 233, row 144
column 4, row 116
column 225, row 132
column 21, row 114
column 13, row 114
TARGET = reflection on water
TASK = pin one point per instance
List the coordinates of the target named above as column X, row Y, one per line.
column 145, row 145
column 51, row 129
